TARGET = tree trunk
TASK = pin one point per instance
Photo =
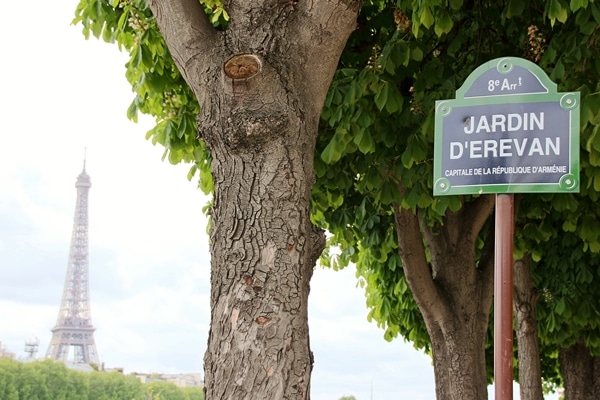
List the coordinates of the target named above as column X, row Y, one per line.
column 525, row 299
column 454, row 292
column 260, row 84
column 580, row 372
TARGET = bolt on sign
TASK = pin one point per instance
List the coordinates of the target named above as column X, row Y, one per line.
column 507, row 131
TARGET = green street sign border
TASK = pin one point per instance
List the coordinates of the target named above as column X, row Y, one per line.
column 537, row 90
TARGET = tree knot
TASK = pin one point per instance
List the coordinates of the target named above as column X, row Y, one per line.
column 242, row 66
column 262, row 320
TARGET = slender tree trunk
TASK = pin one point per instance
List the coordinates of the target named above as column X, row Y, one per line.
column 260, row 84
column 454, row 292
column 525, row 299
column 580, row 372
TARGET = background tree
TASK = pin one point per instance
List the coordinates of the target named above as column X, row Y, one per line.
column 525, row 299
column 255, row 74
column 193, row 393
column 32, row 382
column 566, row 278
column 374, row 167
column 8, row 379
column 115, row 386
column 561, row 290
column 165, row 391
column 51, row 380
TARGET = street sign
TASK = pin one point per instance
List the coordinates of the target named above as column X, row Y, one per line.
column 507, row 131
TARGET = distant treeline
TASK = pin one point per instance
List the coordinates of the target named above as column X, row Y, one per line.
column 50, row 380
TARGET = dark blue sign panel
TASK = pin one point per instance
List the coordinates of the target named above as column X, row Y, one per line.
column 509, row 131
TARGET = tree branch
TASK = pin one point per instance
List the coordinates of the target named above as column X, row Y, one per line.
column 475, row 213
column 330, row 24
column 414, row 260
column 459, row 230
column 187, row 32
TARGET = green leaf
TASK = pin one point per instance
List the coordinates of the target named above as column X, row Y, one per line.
column 381, row 96
column 584, row 275
column 426, row 17
column 559, row 71
column 394, row 100
column 175, row 156
column 595, row 12
column 569, row 226
column 136, row 57
column 582, row 16
column 331, row 153
column 456, row 4
column 443, row 24
column 192, row 172
column 335, row 149
column 588, row 28
column 108, row 36
column 401, row 287
column 147, row 58
column 560, row 306
column 577, row 4
column 364, row 141
column 593, row 144
column 206, row 181
column 416, row 54
column 589, row 228
column 182, row 127
column 597, row 183
column 132, row 111
column 556, row 11
column 551, row 322
column 514, row 8
column 389, row 193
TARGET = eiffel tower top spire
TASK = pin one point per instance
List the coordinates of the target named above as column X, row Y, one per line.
column 83, row 179
column 74, row 328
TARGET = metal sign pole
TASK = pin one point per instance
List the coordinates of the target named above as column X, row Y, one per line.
column 503, row 297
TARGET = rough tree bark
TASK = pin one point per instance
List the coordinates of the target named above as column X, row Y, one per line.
column 453, row 292
column 580, row 372
column 260, row 84
column 525, row 300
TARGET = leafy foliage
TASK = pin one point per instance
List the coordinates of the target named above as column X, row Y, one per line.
column 378, row 134
column 160, row 90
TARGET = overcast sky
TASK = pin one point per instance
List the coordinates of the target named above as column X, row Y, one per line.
column 149, row 259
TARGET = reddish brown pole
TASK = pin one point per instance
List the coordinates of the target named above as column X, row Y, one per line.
column 503, row 297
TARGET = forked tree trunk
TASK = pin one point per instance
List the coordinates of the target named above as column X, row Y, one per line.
column 260, row 84
column 580, row 372
column 525, row 300
column 454, row 293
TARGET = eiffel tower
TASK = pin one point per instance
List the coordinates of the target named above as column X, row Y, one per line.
column 74, row 330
